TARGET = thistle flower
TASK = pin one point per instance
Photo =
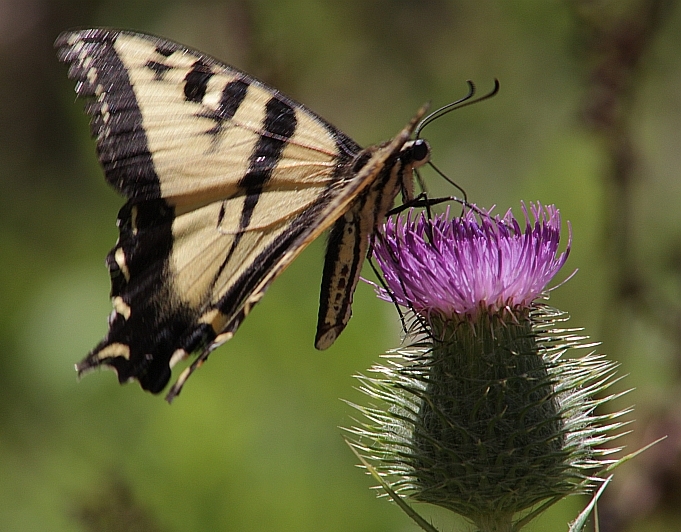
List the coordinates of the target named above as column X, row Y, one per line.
column 485, row 413
column 463, row 267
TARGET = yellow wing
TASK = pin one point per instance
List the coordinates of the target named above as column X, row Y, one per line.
column 227, row 180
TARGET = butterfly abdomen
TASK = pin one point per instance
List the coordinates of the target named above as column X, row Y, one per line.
column 349, row 239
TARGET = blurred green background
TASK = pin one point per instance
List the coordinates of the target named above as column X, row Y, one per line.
column 587, row 118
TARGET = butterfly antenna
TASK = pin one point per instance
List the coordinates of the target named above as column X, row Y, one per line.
column 445, row 109
column 458, row 104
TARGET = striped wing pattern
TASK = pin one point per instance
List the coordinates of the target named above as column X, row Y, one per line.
column 226, row 181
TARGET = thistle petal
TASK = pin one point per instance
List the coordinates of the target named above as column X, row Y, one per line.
column 462, row 265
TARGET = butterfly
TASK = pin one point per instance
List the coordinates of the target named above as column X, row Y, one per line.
column 226, row 181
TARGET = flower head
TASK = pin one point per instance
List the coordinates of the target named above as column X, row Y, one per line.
column 474, row 263
column 486, row 414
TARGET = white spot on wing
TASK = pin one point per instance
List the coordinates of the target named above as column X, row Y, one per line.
column 212, row 99
column 221, row 339
column 119, row 256
column 91, row 74
column 121, row 307
column 177, row 356
column 105, row 112
column 114, row 350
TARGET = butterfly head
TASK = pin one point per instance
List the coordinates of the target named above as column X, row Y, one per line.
column 415, row 153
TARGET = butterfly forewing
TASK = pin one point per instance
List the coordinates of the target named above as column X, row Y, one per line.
column 227, row 181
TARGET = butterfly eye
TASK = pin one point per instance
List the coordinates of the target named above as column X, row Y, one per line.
column 419, row 152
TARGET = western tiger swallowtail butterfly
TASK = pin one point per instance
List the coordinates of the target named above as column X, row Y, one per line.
column 226, row 180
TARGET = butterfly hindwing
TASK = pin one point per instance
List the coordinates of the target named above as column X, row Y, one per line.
column 380, row 167
column 226, row 181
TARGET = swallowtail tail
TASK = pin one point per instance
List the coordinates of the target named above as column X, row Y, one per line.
column 226, row 181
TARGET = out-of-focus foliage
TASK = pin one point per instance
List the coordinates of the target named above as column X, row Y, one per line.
column 253, row 443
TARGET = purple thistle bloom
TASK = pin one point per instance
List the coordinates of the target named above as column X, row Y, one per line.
column 485, row 412
column 471, row 264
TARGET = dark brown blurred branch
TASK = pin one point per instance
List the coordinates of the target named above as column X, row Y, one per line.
column 614, row 43
column 115, row 509
column 616, row 36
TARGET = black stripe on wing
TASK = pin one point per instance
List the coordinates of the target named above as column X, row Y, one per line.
column 116, row 118
column 232, row 97
column 232, row 300
column 147, row 322
column 278, row 127
column 196, row 82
